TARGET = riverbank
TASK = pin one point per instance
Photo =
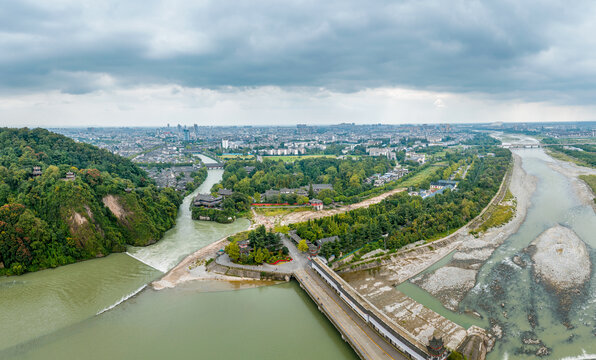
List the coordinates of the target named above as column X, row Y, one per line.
column 572, row 171
column 193, row 267
column 474, row 251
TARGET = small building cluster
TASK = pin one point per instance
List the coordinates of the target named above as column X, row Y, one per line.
column 436, row 188
column 208, row 201
column 316, row 204
column 419, row 158
column 313, row 248
column 302, row 191
column 380, row 180
column 386, row 152
column 176, row 177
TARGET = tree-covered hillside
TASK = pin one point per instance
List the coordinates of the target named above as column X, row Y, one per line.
column 48, row 220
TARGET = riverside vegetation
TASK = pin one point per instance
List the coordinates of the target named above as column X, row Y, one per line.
column 266, row 247
column 591, row 181
column 581, row 154
column 48, row 221
column 403, row 219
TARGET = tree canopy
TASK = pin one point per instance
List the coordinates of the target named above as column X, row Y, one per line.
column 48, row 220
column 403, row 219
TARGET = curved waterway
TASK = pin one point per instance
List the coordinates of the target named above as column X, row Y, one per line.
column 508, row 296
column 102, row 308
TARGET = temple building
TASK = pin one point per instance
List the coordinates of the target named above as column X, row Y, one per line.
column 209, row 201
column 436, row 349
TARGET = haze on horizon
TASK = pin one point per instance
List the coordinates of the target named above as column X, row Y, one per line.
column 147, row 63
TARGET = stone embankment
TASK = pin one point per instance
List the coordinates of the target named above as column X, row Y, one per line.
column 193, row 268
column 246, row 273
column 451, row 283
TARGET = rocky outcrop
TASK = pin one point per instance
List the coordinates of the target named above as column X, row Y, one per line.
column 561, row 259
column 449, row 284
column 112, row 203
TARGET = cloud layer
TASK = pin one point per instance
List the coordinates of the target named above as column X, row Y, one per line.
column 530, row 51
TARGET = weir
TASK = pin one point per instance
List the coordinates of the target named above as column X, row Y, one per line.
column 124, row 298
column 144, row 262
column 371, row 333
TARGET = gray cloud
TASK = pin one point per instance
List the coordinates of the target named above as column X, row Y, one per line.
column 533, row 50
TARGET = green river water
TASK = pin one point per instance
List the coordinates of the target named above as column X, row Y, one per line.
column 530, row 311
column 102, row 308
column 53, row 314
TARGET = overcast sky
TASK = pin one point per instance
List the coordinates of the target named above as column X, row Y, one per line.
column 149, row 62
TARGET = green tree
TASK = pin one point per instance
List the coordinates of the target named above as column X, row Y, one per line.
column 301, row 200
column 259, row 256
column 233, row 251
column 302, row 246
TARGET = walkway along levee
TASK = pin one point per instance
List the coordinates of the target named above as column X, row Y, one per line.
column 370, row 332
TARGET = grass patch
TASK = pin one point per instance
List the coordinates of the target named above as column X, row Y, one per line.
column 278, row 211
column 500, row 214
column 292, row 158
column 237, row 157
column 239, row 236
column 591, row 181
column 565, row 157
column 422, row 176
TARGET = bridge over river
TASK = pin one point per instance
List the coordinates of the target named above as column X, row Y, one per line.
column 370, row 333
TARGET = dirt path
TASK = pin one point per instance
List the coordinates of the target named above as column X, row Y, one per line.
column 301, row 216
column 191, row 268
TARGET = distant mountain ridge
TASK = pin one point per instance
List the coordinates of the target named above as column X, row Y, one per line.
column 84, row 202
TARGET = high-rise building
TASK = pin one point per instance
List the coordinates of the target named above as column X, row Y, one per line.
column 196, row 129
column 225, row 143
column 179, row 128
column 186, row 135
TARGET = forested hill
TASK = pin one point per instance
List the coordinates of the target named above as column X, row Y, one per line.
column 26, row 148
column 48, row 220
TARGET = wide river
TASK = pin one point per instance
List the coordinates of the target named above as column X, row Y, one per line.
column 508, row 296
column 61, row 313
column 102, row 308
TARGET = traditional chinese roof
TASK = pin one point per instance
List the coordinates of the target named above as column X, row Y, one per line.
column 435, row 346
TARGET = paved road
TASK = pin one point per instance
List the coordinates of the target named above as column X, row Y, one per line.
column 367, row 343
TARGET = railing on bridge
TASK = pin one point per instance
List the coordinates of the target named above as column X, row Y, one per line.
column 370, row 314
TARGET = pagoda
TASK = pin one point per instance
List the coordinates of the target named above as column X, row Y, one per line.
column 436, row 349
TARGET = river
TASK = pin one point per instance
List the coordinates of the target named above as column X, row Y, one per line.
column 102, row 308
column 509, row 296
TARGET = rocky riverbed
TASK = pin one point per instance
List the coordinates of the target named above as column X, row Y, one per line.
column 561, row 259
column 451, row 283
